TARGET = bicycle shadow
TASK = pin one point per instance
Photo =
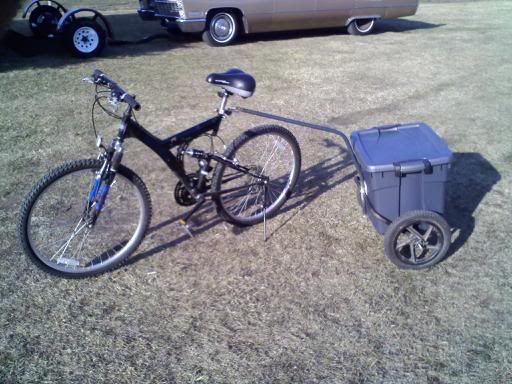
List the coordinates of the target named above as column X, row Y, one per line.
column 471, row 177
column 313, row 182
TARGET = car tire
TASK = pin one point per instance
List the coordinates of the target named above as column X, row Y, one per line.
column 85, row 38
column 361, row 27
column 222, row 29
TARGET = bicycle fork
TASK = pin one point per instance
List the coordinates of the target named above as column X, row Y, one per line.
column 103, row 181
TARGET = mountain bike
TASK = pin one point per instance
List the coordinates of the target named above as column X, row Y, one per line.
column 86, row 217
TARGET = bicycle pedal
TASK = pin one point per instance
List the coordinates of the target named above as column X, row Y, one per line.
column 183, row 224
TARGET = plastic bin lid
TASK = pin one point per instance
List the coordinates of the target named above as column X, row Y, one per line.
column 378, row 149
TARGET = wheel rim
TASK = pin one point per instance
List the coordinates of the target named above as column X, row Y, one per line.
column 270, row 156
column 364, row 25
column 419, row 243
column 222, row 27
column 86, row 39
column 59, row 237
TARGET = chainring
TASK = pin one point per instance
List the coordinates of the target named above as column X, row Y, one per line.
column 182, row 196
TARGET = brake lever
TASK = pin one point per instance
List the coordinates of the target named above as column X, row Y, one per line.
column 114, row 102
column 88, row 80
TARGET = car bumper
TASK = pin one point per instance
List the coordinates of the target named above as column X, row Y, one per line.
column 185, row 25
column 147, row 14
column 190, row 25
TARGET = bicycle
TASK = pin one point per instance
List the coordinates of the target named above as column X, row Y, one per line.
column 87, row 217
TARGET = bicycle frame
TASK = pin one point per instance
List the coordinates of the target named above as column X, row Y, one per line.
column 163, row 147
column 129, row 128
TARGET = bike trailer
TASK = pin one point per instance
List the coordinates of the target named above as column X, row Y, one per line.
column 403, row 168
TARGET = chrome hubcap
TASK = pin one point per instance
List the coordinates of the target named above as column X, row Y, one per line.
column 222, row 28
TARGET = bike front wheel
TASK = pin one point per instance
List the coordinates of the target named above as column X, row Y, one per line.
column 56, row 233
column 272, row 158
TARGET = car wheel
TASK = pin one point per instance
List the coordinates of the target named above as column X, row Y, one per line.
column 223, row 29
column 361, row 27
column 85, row 38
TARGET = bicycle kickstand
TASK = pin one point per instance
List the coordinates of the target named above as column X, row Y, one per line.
column 184, row 221
column 265, row 213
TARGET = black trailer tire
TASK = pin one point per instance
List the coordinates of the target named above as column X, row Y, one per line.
column 85, row 38
column 361, row 27
column 43, row 21
column 222, row 29
column 417, row 240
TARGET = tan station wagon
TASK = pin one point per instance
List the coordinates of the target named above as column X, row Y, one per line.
column 222, row 21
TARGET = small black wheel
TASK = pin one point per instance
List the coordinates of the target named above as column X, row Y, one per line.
column 85, row 38
column 54, row 224
column 43, row 21
column 222, row 29
column 361, row 27
column 269, row 151
column 417, row 240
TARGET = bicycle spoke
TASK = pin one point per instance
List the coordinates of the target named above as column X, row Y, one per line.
column 81, row 245
column 65, row 246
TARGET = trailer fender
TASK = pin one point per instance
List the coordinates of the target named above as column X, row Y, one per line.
column 31, row 3
column 71, row 15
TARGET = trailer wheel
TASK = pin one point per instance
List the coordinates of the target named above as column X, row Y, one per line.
column 417, row 240
column 43, row 21
column 85, row 38
column 361, row 27
column 222, row 29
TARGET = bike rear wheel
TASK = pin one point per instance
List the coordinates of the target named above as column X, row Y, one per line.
column 53, row 226
column 268, row 151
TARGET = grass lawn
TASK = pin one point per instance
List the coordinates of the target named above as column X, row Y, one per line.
column 318, row 302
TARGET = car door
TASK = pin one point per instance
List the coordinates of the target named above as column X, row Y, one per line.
column 258, row 14
column 371, row 7
column 334, row 13
column 294, row 14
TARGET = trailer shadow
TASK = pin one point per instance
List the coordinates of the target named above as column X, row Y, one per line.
column 471, row 177
column 313, row 182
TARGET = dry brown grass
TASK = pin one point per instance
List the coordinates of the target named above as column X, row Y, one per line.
column 318, row 303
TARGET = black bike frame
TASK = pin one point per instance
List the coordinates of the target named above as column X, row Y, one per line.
column 163, row 147
column 132, row 129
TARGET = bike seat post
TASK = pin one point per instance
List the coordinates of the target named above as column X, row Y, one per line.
column 222, row 108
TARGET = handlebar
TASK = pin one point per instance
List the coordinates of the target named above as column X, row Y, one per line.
column 100, row 78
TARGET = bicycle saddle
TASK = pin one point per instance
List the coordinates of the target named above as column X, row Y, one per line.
column 234, row 81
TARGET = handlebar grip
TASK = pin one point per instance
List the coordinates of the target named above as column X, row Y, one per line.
column 99, row 77
column 130, row 100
